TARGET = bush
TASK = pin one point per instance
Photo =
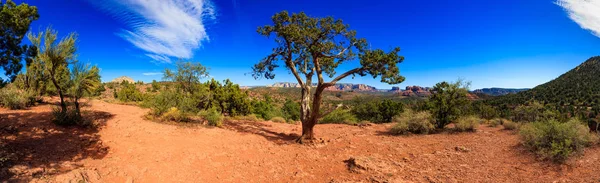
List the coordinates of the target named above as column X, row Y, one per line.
column 495, row 122
column 129, row 93
column 381, row 111
column 214, row 117
column 68, row 118
column 291, row 110
column 265, row 109
column 339, row 116
column 14, row 98
column 415, row 123
column 556, row 141
column 467, row 124
column 278, row 119
column 509, row 125
column 167, row 99
column 99, row 90
column 174, row 114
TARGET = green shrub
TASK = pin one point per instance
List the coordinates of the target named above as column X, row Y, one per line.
column 291, row 110
column 556, row 141
column 167, row 99
column 339, row 116
column 129, row 93
column 495, row 122
column 265, row 109
column 99, row 90
column 174, row 114
column 467, row 124
column 381, row 111
column 415, row 123
column 14, row 98
column 214, row 117
column 68, row 118
column 278, row 119
column 509, row 125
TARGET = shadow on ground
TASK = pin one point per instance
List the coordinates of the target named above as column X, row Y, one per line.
column 260, row 129
column 37, row 147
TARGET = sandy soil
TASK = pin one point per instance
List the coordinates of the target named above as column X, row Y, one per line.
column 127, row 148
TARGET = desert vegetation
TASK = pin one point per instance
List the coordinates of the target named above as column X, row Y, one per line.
column 46, row 82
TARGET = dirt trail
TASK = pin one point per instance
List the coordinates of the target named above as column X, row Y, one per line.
column 128, row 148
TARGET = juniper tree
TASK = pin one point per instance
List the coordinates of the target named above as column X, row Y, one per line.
column 314, row 47
column 14, row 24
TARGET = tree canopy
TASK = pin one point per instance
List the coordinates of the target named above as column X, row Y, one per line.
column 314, row 47
column 309, row 46
column 14, row 24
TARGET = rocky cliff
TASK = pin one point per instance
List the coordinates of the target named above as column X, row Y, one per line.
column 413, row 91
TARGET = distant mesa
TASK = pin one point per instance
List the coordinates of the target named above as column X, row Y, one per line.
column 412, row 91
column 499, row 91
column 409, row 91
column 121, row 79
column 336, row 87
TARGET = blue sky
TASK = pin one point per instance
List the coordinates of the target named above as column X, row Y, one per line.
column 509, row 43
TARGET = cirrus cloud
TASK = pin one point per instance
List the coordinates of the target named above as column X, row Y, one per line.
column 162, row 28
column 586, row 13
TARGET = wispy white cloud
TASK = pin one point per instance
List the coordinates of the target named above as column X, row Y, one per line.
column 162, row 28
column 152, row 73
column 159, row 58
column 586, row 13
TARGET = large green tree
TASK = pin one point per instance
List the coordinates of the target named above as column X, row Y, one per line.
column 314, row 47
column 14, row 24
column 56, row 57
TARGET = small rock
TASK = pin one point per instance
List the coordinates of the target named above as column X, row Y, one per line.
column 462, row 149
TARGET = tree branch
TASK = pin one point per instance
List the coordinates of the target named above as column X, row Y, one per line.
column 290, row 63
column 342, row 76
column 340, row 53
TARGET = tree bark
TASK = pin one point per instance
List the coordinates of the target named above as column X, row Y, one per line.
column 77, row 110
column 63, row 105
column 311, row 118
column 305, row 116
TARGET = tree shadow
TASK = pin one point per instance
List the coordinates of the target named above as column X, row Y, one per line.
column 260, row 129
column 41, row 148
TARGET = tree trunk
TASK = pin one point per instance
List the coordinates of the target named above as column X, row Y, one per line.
column 305, row 116
column 77, row 107
column 310, row 119
column 63, row 105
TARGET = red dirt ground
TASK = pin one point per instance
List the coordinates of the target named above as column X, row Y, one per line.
column 127, row 148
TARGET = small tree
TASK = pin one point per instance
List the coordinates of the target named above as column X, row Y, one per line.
column 155, row 86
column 447, row 102
column 85, row 80
column 56, row 58
column 14, row 24
column 310, row 46
column 188, row 75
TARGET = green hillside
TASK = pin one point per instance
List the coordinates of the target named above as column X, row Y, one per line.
column 578, row 87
